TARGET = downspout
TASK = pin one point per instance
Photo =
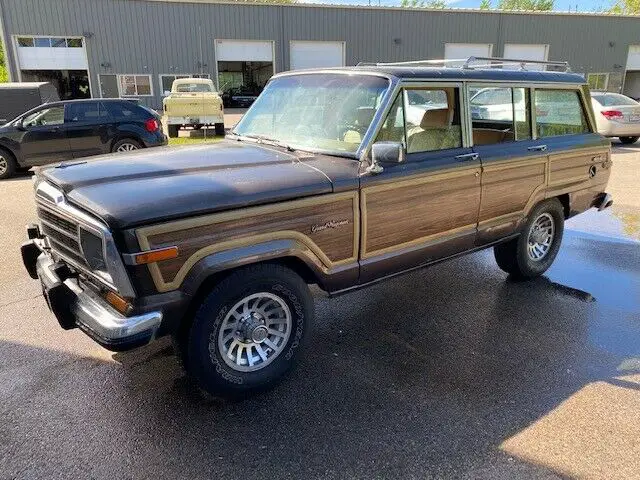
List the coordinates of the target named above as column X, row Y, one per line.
column 5, row 44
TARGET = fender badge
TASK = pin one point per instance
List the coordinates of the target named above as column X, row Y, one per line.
column 329, row 224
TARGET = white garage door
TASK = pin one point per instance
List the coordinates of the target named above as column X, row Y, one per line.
column 633, row 59
column 454, row 51
column 244, row 51
column 526, row 52
column 307, row 54
column 51, row 53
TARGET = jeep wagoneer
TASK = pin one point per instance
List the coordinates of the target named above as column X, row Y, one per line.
column 338, row 177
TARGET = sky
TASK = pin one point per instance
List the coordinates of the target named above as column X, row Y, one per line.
column 560, row 5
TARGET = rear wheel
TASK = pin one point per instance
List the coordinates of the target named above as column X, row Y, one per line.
column 126, row 145
column 248, row 331
column 219, row 128
column 629, row 140
column 8, row 165
column 533, row 252
column 173, row 130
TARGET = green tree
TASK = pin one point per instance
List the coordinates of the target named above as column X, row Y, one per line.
column 627, row 7
column 538, row 5
column 485, row 5
column 4, row 75
column 423, row 3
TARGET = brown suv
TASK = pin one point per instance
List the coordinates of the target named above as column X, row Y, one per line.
column 339, row 178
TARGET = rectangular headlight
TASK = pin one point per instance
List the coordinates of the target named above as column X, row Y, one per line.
column 93, row 252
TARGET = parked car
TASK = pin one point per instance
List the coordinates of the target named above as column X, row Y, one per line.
column 617, row 116
column 240, row 97
column 216, row 245
column 193, row 102
column 60, row 131
column 16, row 98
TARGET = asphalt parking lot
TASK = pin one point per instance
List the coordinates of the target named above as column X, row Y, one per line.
column 449, row 372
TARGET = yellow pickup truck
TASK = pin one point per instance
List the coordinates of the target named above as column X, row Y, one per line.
column 193, row 102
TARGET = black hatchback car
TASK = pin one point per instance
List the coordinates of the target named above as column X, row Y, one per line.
column 78, row 128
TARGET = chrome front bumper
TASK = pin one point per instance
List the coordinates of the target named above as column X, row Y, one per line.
column 75, row 306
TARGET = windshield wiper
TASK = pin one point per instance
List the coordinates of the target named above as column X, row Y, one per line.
column 269, row 141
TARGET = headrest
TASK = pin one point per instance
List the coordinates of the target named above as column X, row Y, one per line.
column 365, row 115
column 437, row 118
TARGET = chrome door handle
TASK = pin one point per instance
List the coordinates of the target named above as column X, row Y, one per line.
column 467, row 156
column 538, row 148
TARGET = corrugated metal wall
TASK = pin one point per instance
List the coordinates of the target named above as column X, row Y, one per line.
column 138, row 36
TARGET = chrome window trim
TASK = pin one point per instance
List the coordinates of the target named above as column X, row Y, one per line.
column 52, row 199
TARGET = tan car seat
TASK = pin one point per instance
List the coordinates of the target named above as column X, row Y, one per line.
column 435, row 132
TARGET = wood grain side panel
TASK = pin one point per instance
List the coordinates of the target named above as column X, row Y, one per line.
column 507, row 190
column 424, row 208
column 334, row 238
column 573, row 168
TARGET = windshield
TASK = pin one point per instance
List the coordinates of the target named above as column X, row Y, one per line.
column 193, row 88
column 316, row 111
column 613, row 100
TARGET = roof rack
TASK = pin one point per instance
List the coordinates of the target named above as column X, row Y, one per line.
column 471, row 63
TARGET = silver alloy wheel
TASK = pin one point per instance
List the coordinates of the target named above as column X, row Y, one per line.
column 127, row 147
column 3, row 165
column 541, row 237
column 254, row 332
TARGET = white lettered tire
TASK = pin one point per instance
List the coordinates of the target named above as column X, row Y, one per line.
column 249, row 331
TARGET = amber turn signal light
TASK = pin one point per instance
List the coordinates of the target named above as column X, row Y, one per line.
column 119, row 303
column 155, row 255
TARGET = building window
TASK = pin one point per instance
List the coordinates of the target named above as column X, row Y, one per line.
column 48, row 42
column 135, row 85
column 598, row 81
column 166, row 80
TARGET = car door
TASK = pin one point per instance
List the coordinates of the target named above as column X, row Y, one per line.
column 87, row 126
column 44, row 139
column 426, row 207
column 514, row 163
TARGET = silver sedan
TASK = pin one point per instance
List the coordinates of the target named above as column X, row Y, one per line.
column 617, row 116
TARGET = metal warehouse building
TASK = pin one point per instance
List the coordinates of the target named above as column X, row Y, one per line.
column 135, row 48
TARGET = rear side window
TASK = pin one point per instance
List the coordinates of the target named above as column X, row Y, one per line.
column 122, row 110
column 500, row 114
column 559, row 112
column 85, row 112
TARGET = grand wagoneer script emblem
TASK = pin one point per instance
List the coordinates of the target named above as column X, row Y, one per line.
column 329, row 224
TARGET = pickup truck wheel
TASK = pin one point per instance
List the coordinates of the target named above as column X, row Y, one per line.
column 172, row 130
column 629, row 140
column 249, row 330
column 7, row 165
column 533, row 252
column 219, row 128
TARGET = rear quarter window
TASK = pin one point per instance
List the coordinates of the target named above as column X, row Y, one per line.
column 559, row 112
column 127, row 110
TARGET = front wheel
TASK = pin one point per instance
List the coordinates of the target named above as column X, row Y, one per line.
column 629, row 140
column 248, row 331
column 533, row 252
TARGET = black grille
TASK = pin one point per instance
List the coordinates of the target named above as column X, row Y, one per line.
column 57, row 221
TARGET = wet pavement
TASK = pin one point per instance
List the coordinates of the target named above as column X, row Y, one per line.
column 450, row 372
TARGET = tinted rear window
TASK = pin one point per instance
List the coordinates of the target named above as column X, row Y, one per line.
column 613, row 100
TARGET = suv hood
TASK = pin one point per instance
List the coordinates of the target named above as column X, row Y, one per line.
column 158, row 184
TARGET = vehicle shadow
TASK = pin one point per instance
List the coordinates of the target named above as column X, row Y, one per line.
column 427, row 375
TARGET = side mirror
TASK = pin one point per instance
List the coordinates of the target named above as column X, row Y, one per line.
column 385, row 153
column 20, row 125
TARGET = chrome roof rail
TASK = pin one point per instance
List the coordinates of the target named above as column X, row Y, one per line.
column 468, row 63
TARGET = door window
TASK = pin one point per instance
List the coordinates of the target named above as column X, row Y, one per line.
column 46, row 116
column 432, row 119
column 85, row 112
column 559, row 112
column 500, row 114
column 424, row 120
